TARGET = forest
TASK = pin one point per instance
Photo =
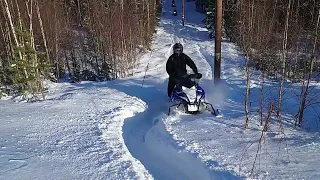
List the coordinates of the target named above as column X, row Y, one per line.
column 280, row 39
column 77, row 39
column 96, row 40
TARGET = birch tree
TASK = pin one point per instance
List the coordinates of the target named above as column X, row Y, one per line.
column 283, row 58
column 305, row 90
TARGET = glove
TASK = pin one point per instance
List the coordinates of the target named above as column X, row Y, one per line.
column 199, row 75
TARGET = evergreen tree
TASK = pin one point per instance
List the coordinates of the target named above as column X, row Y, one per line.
column 28, row 72
column 210, row 17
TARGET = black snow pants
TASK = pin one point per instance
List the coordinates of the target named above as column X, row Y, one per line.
column 182, row 81
column 171, row 84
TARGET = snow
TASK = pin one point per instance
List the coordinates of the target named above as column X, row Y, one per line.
column 74, row 134
column 120, row 129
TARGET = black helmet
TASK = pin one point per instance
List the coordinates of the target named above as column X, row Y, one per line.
column 177, row 48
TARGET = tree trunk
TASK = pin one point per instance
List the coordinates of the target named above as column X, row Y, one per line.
column 6, row 38
column 40, row 79
column 246, row 102
column 79, row 13
column 305, row 93
column 15, row 38
column 248, row 47
column 35, row 65
column 261, row 99
column 20, row 22
column 123, row 55
column 56, row 41
column 273, row 17
column 148, row 19
column 139, row 21
column 283, row 65
column 42, row 30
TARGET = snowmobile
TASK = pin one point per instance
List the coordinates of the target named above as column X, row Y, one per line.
column 173, row 4
column 192, row 99
column 175, row 12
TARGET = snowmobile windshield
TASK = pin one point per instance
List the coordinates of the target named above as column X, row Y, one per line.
column 195, row 80
column 186, row 82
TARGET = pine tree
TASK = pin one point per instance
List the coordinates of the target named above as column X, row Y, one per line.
column 33, row 62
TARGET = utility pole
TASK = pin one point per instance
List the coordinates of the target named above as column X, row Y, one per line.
column 218, row 32
column 182, row 12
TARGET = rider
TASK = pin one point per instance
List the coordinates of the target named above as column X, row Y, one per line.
column 173, row 3
column 176, row 68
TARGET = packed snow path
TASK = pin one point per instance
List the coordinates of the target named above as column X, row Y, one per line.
column 145, row 134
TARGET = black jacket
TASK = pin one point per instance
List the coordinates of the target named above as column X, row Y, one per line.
column 176, row 65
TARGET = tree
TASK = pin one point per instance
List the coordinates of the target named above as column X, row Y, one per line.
column 305, row 90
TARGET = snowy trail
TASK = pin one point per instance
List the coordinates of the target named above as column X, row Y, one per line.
column 147, row 139
column 145, row 134
column 152, row 145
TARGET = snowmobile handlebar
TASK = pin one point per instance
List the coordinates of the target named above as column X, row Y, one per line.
column 195, row 76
